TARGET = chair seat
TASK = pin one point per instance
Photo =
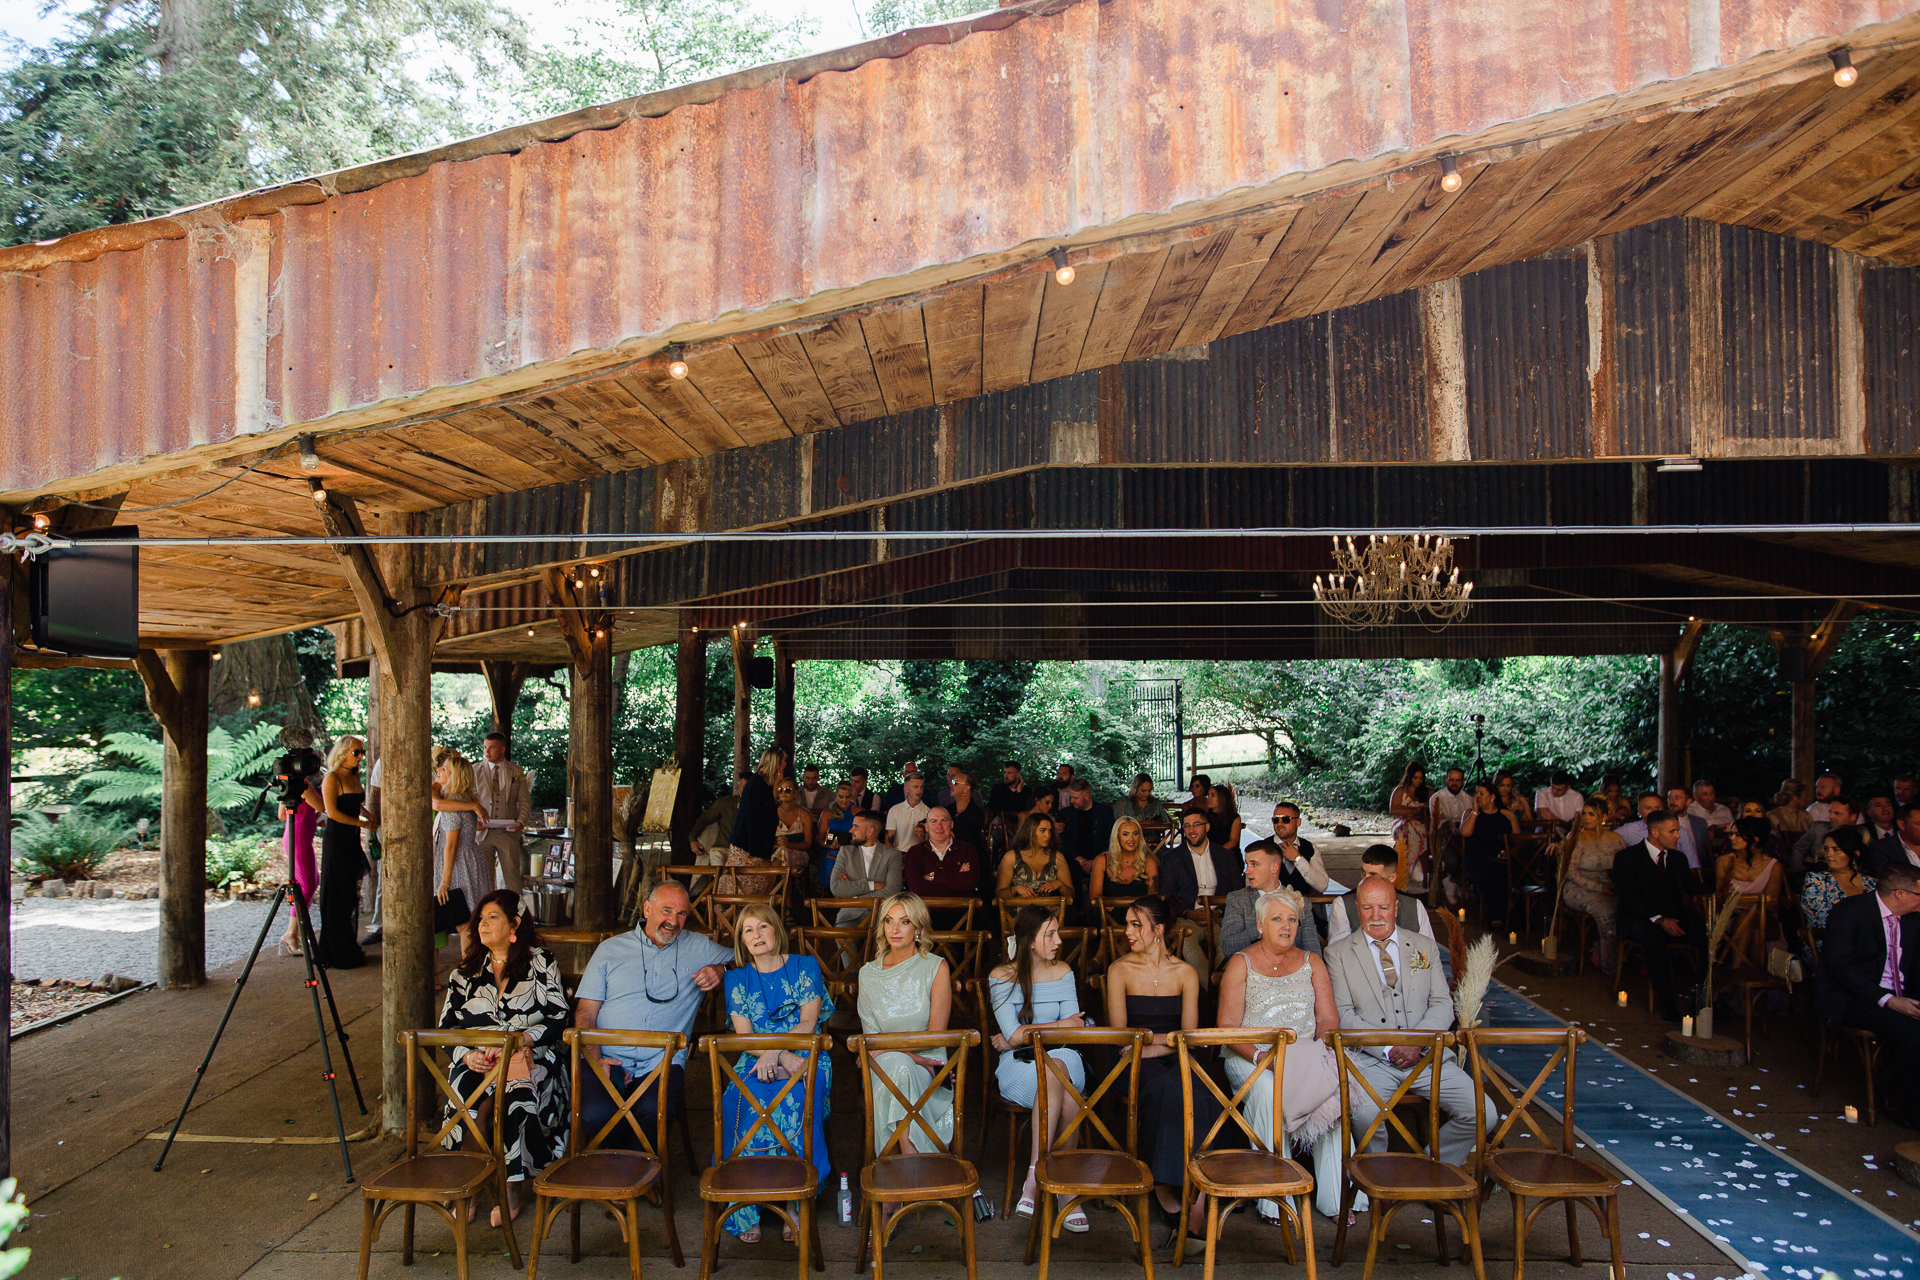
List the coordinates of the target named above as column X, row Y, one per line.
column 1085, row 1172
column 1234, row 1172
column 1397, row 1175
column 1548, row 1173
column 931, row 1176
column 761, row 1177
column 432, row 1175
column 599, row 1174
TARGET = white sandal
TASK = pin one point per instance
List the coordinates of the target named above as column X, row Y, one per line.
column 1076, row 1221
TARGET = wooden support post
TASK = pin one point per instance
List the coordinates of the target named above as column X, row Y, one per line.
column 742, row 702
column 1801, row 661
column 373, row 716
column 176, row 685
column 590, row 780
column 783, row 702
column 504, row 681
column 1670, row 764
column 7, row 563
column 689, row 736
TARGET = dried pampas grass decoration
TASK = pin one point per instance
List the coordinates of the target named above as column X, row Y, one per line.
column 1483, row 957
column 1719, row 916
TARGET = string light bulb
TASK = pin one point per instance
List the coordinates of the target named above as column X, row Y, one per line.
column 253, row 697
column 594, row 572
column 216, row 655
column 529, row 632
column 1845, row 74
column 1062, row 269
column 1450, row 179
column 41, row 522
column 309, row 456
column 317, row 490
column 677, row 361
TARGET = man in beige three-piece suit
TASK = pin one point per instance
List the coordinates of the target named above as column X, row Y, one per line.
column 502, row 789
column 1386, row 978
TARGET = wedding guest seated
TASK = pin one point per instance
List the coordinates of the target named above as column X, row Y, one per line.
column 1871, row 957
column 1746, row 868
column 1511, row 802
column 757, row 839
column 1198, row 788
column 1036, row 992
column 1902, row 848
column 1301, row 868
column 1126, row 869
column 796, row 822
column 1381, row 862
column 866, row 868
column 1223, row 818
column 1654, row 885
column 1558, row 799
column 651, row 979
column 1840, row 817
column 1586, row 885
column 1084, row 829
column 906, row 987
column 1239, row 918
column 969, row 815
column 1274, row 983
column 1155, row 991
column 1033, row 867
column 940, row 866
column 907, row 813
column 1140, row 803
column 509, row 982
column 1789, row 814
column 1843, row 854
column 1195, row 869
column 771, row 992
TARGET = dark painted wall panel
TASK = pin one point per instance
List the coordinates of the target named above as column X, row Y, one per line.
column 1778, row 334
column 1379, row 380
column 1890, row 305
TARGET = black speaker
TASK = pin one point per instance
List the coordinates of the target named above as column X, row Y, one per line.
column 760, row 673
column 85, row 600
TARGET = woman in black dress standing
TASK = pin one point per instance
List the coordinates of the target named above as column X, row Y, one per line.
column 1484, row 833
column 342, row 862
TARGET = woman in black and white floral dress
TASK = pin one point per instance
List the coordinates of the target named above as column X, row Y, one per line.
column 508, row 982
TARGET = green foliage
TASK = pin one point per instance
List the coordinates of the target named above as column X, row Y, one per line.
column 229, row 760
column 13, row 1212
column 643, row 46
column 883, row 17
column 75, row 707
column 145, row 107
column 70, row 849
column 240, row 858
column 313, row 649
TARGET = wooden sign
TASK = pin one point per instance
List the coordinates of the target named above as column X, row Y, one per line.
column 660, row 798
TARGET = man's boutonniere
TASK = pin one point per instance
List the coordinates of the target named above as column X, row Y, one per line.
column 1420, row 961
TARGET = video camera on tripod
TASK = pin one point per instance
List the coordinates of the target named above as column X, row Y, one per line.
column 293, row 773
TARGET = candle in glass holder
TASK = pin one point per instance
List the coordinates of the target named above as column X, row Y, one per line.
column 1513, row 939
column 1623, row 999
column 1853, row 1115
column 1686, row 1028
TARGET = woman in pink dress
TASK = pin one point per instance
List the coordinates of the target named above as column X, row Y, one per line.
column 302, row 824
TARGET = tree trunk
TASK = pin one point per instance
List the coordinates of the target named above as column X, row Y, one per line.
column 1668, row 765
column 590, row 783
column 183, row 824
column 177, row 35
column 268, row 670
column 689, row 737
column 783, row 702
column 742, row 703
column 504, row 682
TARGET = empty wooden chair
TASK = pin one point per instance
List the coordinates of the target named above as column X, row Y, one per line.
column 571, row 950
column 1393, row 1179
column 1114, row 1173
column 1549, row 1171
column 1231, row 1174
column 436, row 1177
column 960, row 911
column 615, row 1177
column 929, row 1176
column 774, row 1180
column 998, row 1107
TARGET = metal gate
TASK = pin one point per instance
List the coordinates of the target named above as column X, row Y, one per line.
column 1157, row 703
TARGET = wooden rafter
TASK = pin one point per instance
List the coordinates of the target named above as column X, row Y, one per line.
column 1826, row 637
column 567, row 605
column 342, row 520
column 1683, row 652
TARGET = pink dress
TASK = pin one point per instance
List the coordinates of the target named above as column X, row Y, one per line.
column 302, row 823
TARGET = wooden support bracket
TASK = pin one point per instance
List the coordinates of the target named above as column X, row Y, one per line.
column 1683, row 653
column 1826, row 637
column 568, row 602
column 342, row 520
column 163, row 696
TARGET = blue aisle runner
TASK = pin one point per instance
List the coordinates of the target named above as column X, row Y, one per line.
column 1774, row 1215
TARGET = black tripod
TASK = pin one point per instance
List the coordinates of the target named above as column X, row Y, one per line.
column 316, row 983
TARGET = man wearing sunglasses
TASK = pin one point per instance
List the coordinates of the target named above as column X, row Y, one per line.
column 649, row 980
column 1300, row 867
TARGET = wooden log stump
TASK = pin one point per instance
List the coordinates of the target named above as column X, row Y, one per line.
column 1714, row 1051
column 1906, row 1162
column 1537, row 964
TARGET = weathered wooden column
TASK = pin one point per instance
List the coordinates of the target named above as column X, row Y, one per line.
column 589, row 640
column 176, row 684
column 742, row 701
column 783, row 701
column 504, row 681
column 1668, row 763
column 6, row 845
column 1801, row 660
column 689, row 735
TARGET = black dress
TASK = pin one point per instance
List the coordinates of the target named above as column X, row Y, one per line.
column 1162, row 1131
column 1486, row 867
column 342, row 863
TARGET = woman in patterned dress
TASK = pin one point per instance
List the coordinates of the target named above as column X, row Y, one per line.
column 509, row 982
column 772, row 993
column 465, row 866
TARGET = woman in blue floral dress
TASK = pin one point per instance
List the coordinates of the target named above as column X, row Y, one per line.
column 770, row 992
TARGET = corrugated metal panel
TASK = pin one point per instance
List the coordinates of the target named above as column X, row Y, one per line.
column 1742, row 491
column 1162, row 498
column 1006, row 430
column 1256, row 397
column 1461, row 495
column 1525, row 328
column 1890, row 301
column 876, row 459
column 1590, row 493
column 1846, row 491
column 1777, row 300
column 756, row 486
column 1380, row 381
column 1074, row 498
column 1651, row 339
column 1336, row 497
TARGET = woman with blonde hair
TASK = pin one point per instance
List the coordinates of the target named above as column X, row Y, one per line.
column 1126, row 869
column 464, row 868
column 342, row 861
column 755, row 838
column 906, row 987
column 772, row 992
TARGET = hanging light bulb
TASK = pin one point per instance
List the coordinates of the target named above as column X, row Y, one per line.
column 677, row 361
column 529, row 631
column 41, row 522
column 1062, row 270
column 1845, row 74
column 1450, row 179
column 216, row 655
column 317, row 490
column 309, row 457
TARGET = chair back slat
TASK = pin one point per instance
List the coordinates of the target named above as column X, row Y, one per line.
column 1112, row 918
column 420, row 1045
column 1011, row 907
column 1270, row 1045
column 840, row 953
column 825, row 911
column 698, row 881
column 966, row 906
column 1519, row 1109
column 1131, row 1041
column 724, row 912
column 720, row 1051
column 1432, row 1046
column 669, row 1043
column 957, row 1044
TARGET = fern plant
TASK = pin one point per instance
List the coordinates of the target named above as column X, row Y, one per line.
column 70, row 849
column 229, row 760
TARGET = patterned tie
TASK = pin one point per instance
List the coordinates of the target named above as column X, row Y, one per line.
column 1893, row 951
column 1387, row 971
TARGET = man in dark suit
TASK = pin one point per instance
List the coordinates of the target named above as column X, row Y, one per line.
column 1085, row 828
column 1195, row 868
column 1900, row 849
column 1869, row 965
column 1653, row 882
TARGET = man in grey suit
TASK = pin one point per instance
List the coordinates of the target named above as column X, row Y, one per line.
column 1387, row 979
column 865, row 868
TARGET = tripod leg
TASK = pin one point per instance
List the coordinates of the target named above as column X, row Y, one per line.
column 310, row 945
column 200, row 1072
column 292, row 894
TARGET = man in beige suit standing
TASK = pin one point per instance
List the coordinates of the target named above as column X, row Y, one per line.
column 502, row 789
column 1386, row 978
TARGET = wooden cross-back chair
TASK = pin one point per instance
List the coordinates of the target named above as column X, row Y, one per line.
column 1074, row 1174
column 1078, row 947
column 840, row 953
column 724, row 911
column 772, row 1181
column 616, row 1177
column 1258, row 1171
column 698, row 880
column 1011, row 908
column 1524, row 853
column 966, row 955
column 931, row 1175
column 1216, row 908
column 1833, row 1034
column 773, row 882
column 1549, row 1171
column 571, row 949
column 1112, row 913
column 825, row 911
column 435, row 1177
column 966, row 906
column 1394, row 1179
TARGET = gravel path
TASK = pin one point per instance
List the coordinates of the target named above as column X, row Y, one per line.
column 86, row 938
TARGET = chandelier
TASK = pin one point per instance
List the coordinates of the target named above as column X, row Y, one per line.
column 1392, row 574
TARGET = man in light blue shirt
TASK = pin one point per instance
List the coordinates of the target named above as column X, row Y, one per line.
column 652, row 979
